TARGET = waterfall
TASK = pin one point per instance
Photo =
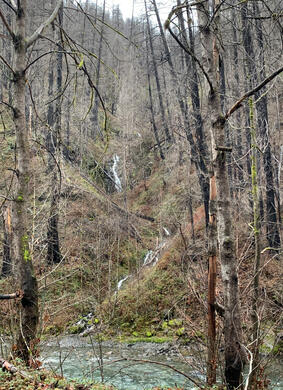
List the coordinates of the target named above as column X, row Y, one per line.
column 147, row 258
column 150, row 259
column 166, row 231
column 119, row 285
column 117, row 180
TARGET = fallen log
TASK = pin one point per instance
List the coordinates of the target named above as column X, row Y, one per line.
column 17, row 294
column 6, row 366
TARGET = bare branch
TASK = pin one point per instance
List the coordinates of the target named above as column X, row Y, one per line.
column 9, row 5
column 7, row 64
column 55, row 160
column 179, row 7
column 43, row 55
column 188, row 51
column 252, row 92
column 7, row 24
column 17, row 294
column 165, row 365
column 7, row 104
column 40, row 29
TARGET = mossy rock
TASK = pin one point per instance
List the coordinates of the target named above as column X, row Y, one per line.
column 180, row 331
column 52, row 330
column 75, row 329
column 174, row 323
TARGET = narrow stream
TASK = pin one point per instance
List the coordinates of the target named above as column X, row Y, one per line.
column 79, row 359
column 118, row 184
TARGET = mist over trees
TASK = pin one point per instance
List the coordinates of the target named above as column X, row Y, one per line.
column 113, row 128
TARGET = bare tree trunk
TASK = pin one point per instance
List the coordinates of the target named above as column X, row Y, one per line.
column 158, row 86
column 155, row 131
column 53, row 245
column 238, row 137
column 251, row 73
column 96, row 127
column 256, row 229
column 23, row 260
column 7, row 242
column 234, row 356
column 212, row 272
column 273, row 235
column 26, row 341
column 199, row 159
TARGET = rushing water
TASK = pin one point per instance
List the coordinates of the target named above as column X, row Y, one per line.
column 79, row 358
column 117, row 180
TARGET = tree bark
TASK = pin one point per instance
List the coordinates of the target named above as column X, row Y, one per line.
column 7, row 242
column 155, row 131
column 256, row 230
column 234, row 356
column 212, row 272
column 158, row 86
column 26, row 344
column 199, row 150
column 273, row 235
column 29, row 302
column 251, row 74
column 96, row 128
column 53, row 244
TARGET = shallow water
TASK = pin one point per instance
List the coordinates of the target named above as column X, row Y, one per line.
column 79, row 359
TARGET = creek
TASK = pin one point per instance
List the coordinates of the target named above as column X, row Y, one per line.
column 78, row 357
column 118, row 184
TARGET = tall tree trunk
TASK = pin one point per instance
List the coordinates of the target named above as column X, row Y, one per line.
column 23, row 260
column 256, row 230
column 239, row 168
column 96, row 127
column 53, row 246
column 234, row 355
column 199, row 159
column 273, row 235
column 7, row 242
column 155, row 131
column 212, row 272
column 252, row 75
column 157, row 80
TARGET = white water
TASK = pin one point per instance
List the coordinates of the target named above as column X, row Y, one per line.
column 150, row 259
column 166, row 231
column 119, row 285
column 117, row 180
column 78, row 358
column 147, row 258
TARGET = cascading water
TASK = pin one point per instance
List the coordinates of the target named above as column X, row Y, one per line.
column 150, row 259
column 166, row 231
column 147, row 258
column 119, row 285
column 117, row 180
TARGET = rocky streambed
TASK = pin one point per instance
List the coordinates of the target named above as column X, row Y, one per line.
column 128, row 366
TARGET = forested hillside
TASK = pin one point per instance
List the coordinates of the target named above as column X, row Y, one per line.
column 141, row 179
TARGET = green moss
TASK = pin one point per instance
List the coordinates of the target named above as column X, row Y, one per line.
column 25, row 248
column 75, row 329
column 164, row 325
column 52, row 330
column 180, row 331
column 142, row 339
column 199, row 335
column 175, row 322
